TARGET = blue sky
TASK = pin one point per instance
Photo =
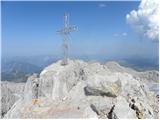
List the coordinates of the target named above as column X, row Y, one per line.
column 29, row 28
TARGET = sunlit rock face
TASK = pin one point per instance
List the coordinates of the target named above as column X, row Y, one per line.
column 9, row 96
column 87, row 90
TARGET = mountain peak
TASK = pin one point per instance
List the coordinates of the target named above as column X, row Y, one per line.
column 85, row 90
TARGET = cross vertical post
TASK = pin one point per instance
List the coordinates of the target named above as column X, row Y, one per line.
column 64, row 32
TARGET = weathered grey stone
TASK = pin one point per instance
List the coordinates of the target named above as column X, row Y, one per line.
column 96, row 92
column 86, row 90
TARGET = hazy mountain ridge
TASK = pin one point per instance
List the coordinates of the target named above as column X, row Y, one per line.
column 18, row 71
column 142, row 64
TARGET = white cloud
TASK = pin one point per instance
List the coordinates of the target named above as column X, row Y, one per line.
column 102, row 5
column 124, row 34
column 145, row 20
column 120, row 34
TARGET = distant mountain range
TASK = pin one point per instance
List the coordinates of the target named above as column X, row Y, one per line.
column 141, row 64
column 18, row 69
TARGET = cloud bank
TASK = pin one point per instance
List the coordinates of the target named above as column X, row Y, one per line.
column 124, row 34
column 102, row 5
column 145, row 19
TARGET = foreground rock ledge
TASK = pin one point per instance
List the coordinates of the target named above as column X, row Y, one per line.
column 87, row 90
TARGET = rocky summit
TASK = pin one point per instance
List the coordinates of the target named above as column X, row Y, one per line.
column 87, row 90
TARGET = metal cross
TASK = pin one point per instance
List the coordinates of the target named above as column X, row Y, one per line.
column 64, row 32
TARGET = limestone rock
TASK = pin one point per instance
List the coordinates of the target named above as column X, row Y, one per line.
column 87, row 90
column 9, row 93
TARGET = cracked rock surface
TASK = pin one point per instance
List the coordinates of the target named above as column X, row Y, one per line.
column 9, row 96
column 88, row 90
